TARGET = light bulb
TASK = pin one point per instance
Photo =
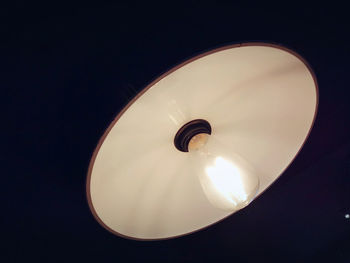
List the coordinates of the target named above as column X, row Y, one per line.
column 228, row 181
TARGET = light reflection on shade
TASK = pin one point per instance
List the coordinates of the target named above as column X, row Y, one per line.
column 226, row 181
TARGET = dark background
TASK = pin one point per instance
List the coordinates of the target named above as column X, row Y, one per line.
column 67, row 68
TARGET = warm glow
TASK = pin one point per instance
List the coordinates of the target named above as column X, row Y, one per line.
column 226, row 180
column 198, row 141
column 227, row 183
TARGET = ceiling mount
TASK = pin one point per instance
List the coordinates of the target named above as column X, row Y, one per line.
column 188, row 131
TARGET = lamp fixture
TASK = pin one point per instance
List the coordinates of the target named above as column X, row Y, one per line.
column 202, row 141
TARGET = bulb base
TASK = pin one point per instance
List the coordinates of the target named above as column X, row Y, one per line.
column 188, row 131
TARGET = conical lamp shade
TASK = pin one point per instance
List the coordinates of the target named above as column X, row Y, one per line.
column 260, row 100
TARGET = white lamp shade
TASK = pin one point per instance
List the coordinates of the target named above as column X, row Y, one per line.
column 260, row 100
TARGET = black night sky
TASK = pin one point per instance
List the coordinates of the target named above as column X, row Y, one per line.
column 67, row 68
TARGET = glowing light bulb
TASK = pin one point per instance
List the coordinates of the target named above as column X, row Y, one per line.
column 228, row 181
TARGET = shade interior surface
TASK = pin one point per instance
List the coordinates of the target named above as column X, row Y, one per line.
column 260, row 102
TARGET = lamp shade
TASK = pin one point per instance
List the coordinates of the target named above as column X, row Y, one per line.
column 260, row 101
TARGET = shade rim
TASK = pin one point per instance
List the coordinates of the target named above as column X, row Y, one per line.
column 156, row 80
